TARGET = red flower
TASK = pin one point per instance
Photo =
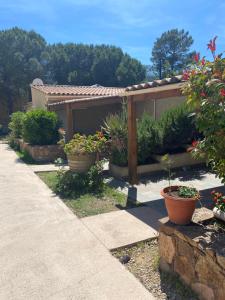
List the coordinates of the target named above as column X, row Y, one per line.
column 213, row 192
column 197, row 57
column 203, row 61
column 222, row 92
column 203, row 94
column 100, row 134
column 186, row 75
column 212, row 45
column 194, row 143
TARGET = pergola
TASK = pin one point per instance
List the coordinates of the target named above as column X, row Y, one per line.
column 80, row 103
column 158, row 89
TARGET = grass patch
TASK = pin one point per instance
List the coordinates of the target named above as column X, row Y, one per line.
column 143, row 262
column 90, row 204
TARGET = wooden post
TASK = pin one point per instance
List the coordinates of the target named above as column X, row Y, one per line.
column 132, row 141
column 69, row 122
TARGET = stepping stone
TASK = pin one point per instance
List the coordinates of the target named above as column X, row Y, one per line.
column 125, row 227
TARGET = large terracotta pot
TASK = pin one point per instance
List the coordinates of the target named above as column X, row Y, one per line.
column 81, row 163
column 180, row 210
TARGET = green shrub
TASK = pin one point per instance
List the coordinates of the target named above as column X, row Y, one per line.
column 177, row 127
column 40, row 127
column 71, row 184
column 16, row 124
column 12, row 142
column 149, row 137
column 115, row 128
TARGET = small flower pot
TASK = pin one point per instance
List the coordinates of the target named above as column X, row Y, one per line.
column 219, row 214
column 180, row 210
column 81, row 163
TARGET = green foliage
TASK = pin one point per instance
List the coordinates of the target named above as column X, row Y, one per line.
column 80, row 64
column 25, row 156
column 205, row 91
column 85, row 144
column 148, row 137
column 12, row 142
column 170, row 53
column 177, row 126
column 115, row 128
column 16, row 124
column 23, row 57
column 40, row 127
column 187, row 192
column 168, row 164
column 71, row 184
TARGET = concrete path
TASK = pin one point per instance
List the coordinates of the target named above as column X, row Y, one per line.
column 149, row 188
column 124, row 227
column 46, row 252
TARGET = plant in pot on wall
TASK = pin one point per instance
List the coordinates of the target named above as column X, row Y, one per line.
column 82, row 151
column 180, row 201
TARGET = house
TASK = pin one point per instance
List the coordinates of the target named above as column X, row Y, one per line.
column 81, row 109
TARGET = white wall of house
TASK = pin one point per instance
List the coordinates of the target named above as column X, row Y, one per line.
column 39, row 99
column 157, row 107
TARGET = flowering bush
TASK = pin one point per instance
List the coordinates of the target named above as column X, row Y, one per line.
column 219, row 200
column 81, row 144
column 205, row 90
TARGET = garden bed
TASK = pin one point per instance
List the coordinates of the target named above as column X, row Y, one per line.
column 196, row 253
column 89, row 204
column 178, row 160
column 144, row 264
column 46, row 153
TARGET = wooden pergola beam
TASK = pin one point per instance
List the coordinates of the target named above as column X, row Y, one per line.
column 69, row 122
column 163, row 93
column 132, row 141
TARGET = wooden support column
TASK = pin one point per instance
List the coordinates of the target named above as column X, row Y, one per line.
column 132, row 141
column 69, row 122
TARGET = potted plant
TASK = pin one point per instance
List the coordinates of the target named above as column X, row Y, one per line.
column 219, row 208
column 180, row 201
column 82, row 151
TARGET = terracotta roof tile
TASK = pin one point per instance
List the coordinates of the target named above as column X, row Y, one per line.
column 155, row 83
column 79, row 90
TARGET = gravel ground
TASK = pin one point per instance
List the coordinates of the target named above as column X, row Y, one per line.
column 142, row 260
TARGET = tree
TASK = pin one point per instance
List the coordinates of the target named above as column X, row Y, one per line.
column 171, row 52
column 23, row 57
column 80, row 64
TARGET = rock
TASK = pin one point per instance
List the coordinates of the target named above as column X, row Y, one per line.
column 166, row 247
column 184, row 268
column 124, row 259
column 204, row 292
column 164, row 266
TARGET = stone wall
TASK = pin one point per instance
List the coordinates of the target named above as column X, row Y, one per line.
column 47, row 153
column 196, row 255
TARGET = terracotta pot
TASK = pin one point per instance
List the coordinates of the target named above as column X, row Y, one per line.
column 219, row 214
column 81, row 163
column 180, row 210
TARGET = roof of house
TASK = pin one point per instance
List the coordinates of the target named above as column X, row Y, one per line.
column 86, row 99
column 79, row 90
column 155, row 83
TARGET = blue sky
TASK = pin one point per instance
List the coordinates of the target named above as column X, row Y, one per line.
column 130, row 24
